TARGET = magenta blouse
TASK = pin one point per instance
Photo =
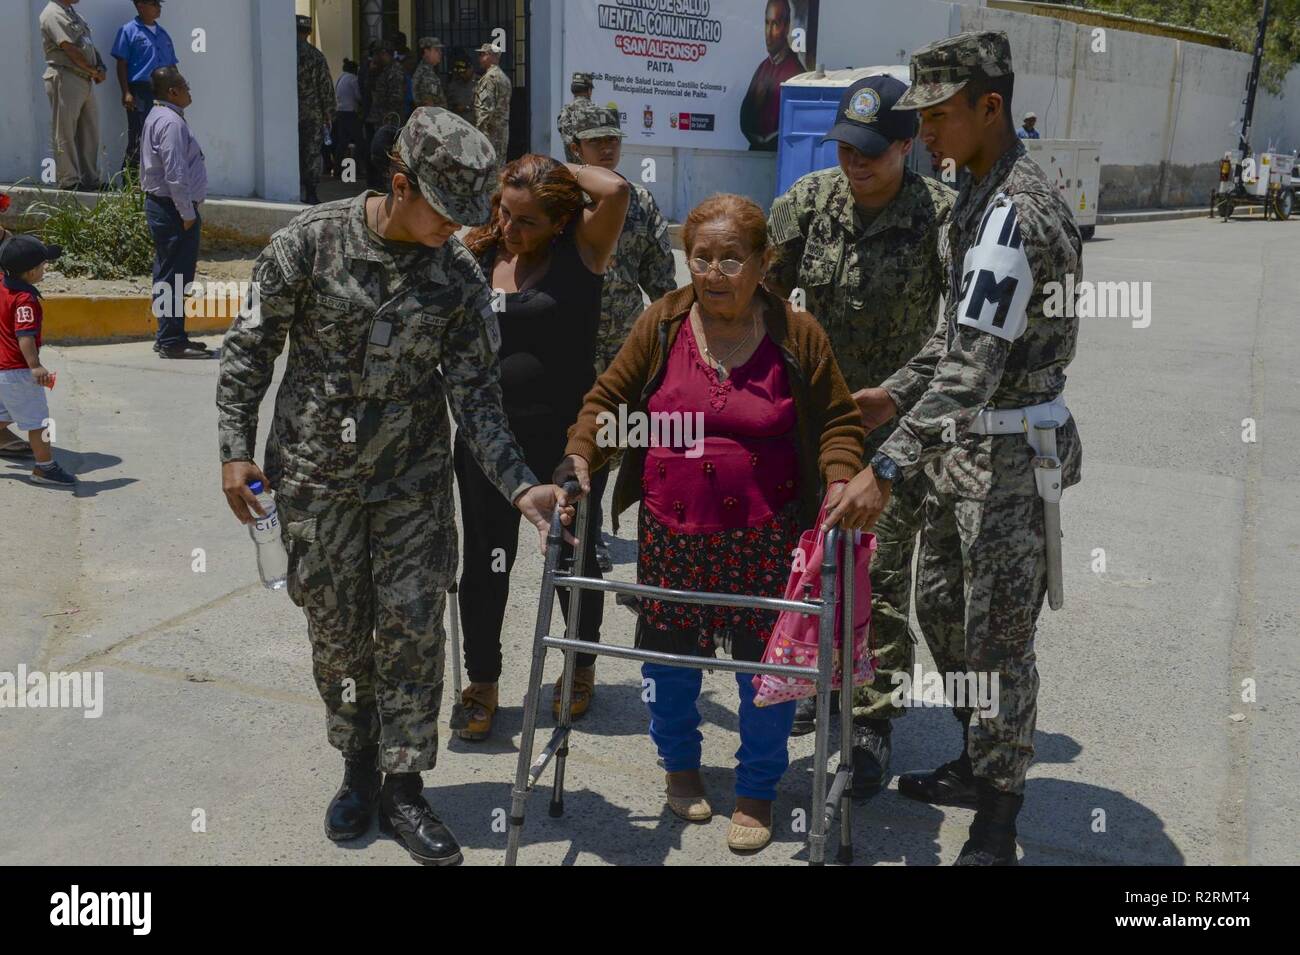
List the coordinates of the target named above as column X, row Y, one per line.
column 749, row 466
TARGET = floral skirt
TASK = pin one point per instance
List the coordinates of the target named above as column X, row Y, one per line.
column 754, row 561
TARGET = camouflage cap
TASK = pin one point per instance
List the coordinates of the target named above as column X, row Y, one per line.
column 453, row 162
column 583, row 119
column 941, row 69
column 581, row 79
column 304, row 23
column 430, row 41
column 487, row 47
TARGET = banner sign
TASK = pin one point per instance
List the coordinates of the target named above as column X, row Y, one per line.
column 702, row 73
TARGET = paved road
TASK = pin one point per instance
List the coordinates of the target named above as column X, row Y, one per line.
column 209, row 703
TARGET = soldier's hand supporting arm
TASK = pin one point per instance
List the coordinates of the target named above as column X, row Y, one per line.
column 248, row 355
column 963, row 383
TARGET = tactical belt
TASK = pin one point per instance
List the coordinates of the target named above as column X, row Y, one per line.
column 1020, row 420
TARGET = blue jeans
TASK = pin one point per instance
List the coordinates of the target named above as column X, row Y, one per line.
column 674, row 726
column 175, row 259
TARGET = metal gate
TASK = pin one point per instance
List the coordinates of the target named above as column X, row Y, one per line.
column 463, row 25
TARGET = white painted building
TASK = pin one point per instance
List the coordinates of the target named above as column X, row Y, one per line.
column 1165, row 109
column 245, row 110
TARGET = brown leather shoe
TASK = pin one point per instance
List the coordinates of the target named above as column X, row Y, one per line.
column 480, row 703
column 584, row 688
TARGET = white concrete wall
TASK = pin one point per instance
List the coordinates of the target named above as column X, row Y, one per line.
column 245, row 91
column 1165, row 111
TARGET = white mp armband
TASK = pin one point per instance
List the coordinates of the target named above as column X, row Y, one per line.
column 997, row 281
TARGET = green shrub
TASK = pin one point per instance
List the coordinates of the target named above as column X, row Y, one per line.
column 109, row 240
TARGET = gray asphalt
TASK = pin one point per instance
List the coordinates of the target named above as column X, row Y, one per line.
column 209, row 703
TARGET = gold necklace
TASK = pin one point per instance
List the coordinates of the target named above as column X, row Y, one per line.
column 720, row 363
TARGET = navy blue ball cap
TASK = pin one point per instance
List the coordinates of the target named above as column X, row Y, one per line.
column 20, row 253
column 866, row 118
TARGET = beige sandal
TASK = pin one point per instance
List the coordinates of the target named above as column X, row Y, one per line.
column 747, row 838
column 691, row 808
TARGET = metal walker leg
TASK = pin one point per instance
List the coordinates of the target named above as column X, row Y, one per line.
column 523, row 772
column 565, row 722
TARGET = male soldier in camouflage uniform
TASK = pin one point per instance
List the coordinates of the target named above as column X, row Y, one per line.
column 460, row 89
column 387, row 91
column 969, row 400
column 426, row 88
column 581, row 87
column 388, row 317
column 861, row 240
column 492, row 102
column 315, row 109
column 643, row 258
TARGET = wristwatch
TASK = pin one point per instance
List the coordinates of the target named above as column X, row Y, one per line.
column 885, row 468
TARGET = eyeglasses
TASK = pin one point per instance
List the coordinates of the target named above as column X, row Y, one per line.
column 728, row 267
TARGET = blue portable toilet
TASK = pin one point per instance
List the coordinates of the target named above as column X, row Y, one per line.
column 808, row 104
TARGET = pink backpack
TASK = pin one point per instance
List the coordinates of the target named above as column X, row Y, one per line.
column 794, row 638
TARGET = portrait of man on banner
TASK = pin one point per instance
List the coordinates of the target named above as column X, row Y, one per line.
column 783, row 22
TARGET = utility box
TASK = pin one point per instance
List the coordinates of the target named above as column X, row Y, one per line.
column 808, row 105
column 1074, row 166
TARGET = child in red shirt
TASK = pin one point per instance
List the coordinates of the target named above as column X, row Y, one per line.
column 23, row 379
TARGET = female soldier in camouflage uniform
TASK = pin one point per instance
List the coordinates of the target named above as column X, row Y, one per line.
column 388, row 316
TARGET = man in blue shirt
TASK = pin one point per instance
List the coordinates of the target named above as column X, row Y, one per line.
column 141, row 46
column 1027, row 130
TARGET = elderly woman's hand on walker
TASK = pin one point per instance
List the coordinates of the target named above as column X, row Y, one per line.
column 860, row 503
column 573, row 468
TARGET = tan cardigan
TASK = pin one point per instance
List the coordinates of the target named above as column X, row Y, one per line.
column 831, row 436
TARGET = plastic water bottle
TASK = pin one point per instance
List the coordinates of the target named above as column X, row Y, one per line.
column 272, row 561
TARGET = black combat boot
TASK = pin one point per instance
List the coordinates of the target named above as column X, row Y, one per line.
column 353, row 806
column 952, row 784
column 404, row 815
column 872, row 746
column 312, row 198
column 993, row 833
column 805, row 713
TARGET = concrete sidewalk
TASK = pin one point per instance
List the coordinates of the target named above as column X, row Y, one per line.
column 210, row 712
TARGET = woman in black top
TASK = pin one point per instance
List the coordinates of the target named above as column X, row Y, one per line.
column 544, row 253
